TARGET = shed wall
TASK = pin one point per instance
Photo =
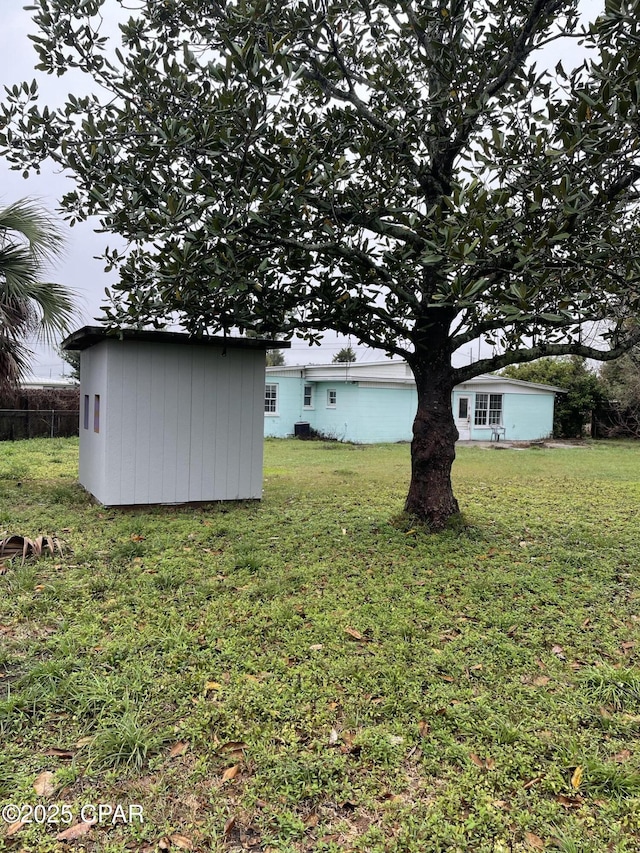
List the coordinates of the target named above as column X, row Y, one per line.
column 92, row 468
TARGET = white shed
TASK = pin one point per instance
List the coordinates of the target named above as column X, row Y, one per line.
column 167, row 419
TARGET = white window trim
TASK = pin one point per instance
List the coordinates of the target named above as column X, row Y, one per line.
column 311, row 404
column 333, row 391
column 487, row 423
column 276, row 412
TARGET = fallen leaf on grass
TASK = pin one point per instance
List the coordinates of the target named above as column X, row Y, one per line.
column 356, row 635
column 181, row 841
column 212, row 685
column 178, row 749
column 58, row 753
column 14, row 827
column 569, row 802
column 75, row 831
column 483, row 763
column 234, row 748
column 43, row 784
column 231, row 822
column 534, row 841
column 316, row 647
column 541, row 681
column 576, row 778
column 230, row 773
column 532, row 782
column 423, row 728
column 311, row 821
column 624, row 755
column 558, row 651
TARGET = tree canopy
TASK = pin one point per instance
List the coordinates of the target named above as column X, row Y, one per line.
column 408, row 172
column 30, row 306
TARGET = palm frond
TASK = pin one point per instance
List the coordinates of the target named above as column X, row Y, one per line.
column 36, row 226
column 29, row 304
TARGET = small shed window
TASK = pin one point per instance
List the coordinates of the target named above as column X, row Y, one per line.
column 332, row 398
column 308, row 397
column 85, row 412
column 96, row 413
column 488, row 410
column 271, row 399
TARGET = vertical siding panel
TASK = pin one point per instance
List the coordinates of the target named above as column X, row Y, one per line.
column 142, row 438
column 118, row 413
column 196, row 460
column 96, row 442
column 255, row 416
column 234, row 429
column 210, row 410
column 243, row 402
column 155, row 436
column 184, row 364
column 220, row 437
column 170, row 437
column 109, row 424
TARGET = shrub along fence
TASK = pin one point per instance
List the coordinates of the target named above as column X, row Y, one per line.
column 38, row 413
column 613, row 420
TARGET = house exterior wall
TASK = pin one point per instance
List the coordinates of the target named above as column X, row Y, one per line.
column 178, row 423
column 369, row 411
column 527, row 414
column 289, row 406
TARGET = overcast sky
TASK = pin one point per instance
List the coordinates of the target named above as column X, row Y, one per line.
column 79, row 269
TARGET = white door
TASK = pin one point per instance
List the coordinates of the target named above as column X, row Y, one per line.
column 463, row 418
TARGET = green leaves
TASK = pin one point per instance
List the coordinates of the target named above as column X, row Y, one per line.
column 261, row 160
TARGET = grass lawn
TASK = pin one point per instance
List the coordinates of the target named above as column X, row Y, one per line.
column 306, row 674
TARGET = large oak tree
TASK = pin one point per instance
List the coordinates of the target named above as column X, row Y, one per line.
column 408, row 172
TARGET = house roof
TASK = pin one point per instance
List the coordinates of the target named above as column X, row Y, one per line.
column 393, row 371
column 89, row 336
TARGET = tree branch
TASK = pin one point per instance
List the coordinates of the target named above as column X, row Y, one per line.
column 520, row 50
column 519, row 356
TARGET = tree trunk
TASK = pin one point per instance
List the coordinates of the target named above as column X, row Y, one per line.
column 430, row 496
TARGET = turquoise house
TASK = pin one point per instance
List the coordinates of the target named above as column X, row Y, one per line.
column 376, row 402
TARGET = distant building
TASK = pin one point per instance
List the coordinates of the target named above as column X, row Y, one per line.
column 377, row 401
column 50, row 384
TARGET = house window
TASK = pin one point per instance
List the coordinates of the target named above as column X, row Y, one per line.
column 488, row 410
column 85, row 412
column 332, row 397
column 463, row 408
column 96, row 413
column 308, row 397
column 271, row 399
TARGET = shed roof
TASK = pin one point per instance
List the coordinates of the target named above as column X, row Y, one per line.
column 89, row 336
